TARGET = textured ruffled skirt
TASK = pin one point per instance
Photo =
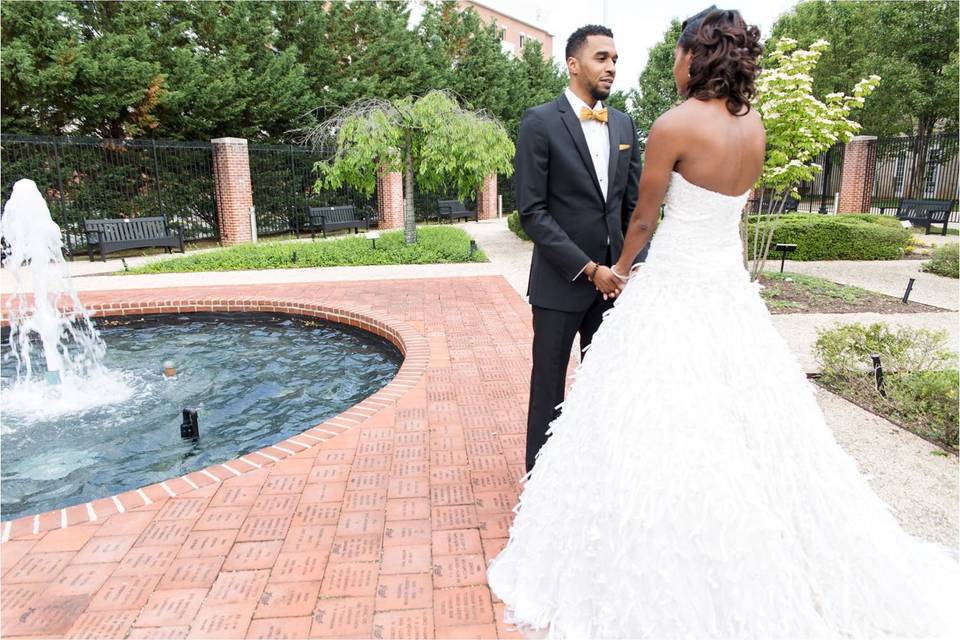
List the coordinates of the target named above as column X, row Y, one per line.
column 692, row 489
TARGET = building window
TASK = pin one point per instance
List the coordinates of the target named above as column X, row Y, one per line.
column 523, row 40
column 502, row 31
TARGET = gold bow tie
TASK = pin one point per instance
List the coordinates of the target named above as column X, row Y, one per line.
column 600, row 115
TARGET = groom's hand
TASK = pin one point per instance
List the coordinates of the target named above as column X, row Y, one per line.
column 607, row 283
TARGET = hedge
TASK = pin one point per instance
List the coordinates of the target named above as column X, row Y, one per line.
column 513, row 221
column 842, row 237
column 945, row 261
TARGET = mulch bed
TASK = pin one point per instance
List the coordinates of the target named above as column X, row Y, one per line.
column 785, row 296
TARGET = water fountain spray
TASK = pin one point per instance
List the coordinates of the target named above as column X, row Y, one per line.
column 54, row 315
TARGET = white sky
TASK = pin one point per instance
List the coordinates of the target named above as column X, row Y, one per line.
column 637, row 24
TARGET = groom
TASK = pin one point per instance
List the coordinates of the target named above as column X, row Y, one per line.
column 577, row 168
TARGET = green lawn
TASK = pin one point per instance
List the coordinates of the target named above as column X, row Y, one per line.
column 435, row 245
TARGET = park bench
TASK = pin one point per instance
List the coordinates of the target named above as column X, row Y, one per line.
column 451, row 210
column 334, row 218
column 924, row 213
column 108, row 235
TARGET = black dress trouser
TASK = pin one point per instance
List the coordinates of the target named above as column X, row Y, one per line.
column 553, row 333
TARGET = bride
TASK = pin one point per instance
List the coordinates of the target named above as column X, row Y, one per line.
column 691, row 487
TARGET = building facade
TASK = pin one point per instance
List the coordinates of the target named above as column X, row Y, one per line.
column 515, row 34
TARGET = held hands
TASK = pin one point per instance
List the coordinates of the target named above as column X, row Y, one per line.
column 607, row 282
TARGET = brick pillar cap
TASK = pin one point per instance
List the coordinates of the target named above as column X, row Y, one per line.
column 229, row 141
column 855, row 138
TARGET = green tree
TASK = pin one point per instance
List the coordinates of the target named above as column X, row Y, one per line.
column 657, row 91
column 432, row 139
column 534, row 80
column 128, row 69
column 799, row 127
column 911, row 45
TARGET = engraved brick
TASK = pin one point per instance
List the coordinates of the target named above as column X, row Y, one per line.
column 405, row 591
column 350, row 579
column 279, row 628
column 358, row 522
column 462, row 606
column 222, row 621
column 343, row 617
column 406, row 532
column 165, row 532
column 237, row 586
column 80, row 579
column 102, row 624
column 182, row 508
column 259, row 528
column 208, row 543
column 283, row 599
column 146, row 561
column 459, row 570
column 309, row 538
column 125, row 592
column 401, row 625
column 316, row 513
column 302, row 566
column 253, row 555
column 191, row 573
column 38, row 567
column 360, row 548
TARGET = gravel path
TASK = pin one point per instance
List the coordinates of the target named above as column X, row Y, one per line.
column 886, row 276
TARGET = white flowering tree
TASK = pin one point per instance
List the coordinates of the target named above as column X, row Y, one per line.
column 799, row 128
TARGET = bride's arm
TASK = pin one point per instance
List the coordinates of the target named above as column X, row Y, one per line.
column 661, row 156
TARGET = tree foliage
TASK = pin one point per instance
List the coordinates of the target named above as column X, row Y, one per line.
column 432, row 139
column 799, row 127
column 912, row 45
column 656, row 91
column 197, row 70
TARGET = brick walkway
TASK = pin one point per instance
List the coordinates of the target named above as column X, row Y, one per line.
column 383, row 530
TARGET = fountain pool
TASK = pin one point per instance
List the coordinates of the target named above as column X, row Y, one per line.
column 254, row 378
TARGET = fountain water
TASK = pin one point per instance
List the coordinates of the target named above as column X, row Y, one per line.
column 72, row 352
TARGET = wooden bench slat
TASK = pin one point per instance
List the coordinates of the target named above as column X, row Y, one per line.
column 108, row 235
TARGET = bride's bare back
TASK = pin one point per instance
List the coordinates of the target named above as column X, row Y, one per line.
column 714, row 149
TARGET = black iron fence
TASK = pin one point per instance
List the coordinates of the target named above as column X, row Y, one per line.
column 85, row 178
column 915, row 167
column 818, row 195
column 425, row 201
column 507, row 188
column 282, row 179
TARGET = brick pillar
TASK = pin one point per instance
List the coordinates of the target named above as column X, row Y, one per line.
column 859, row 165
column 231, row 180
column 487, row 198
column 390, row 199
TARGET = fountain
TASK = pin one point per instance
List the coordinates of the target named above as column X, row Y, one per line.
column 71, row 375
column 105, row 419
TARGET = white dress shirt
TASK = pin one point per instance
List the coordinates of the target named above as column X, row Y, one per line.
column 598, row 143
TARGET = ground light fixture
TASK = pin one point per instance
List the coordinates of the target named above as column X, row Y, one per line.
column 906, row 294
column 784, row 249
column 878, row 374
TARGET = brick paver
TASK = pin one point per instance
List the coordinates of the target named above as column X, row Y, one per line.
column 379, row 524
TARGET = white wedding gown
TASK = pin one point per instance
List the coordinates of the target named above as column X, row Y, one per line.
column 691, row 487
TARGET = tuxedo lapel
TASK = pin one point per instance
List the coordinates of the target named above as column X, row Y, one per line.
column 572, row 123
column 614, row 154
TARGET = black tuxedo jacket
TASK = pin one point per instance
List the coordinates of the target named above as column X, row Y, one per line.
column 561, row 205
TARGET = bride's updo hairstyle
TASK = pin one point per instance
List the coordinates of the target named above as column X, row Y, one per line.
column 725, row 52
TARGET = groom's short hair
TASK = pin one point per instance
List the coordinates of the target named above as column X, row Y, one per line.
column 577, row 39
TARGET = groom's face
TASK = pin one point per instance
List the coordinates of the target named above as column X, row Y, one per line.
column 595, row 66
